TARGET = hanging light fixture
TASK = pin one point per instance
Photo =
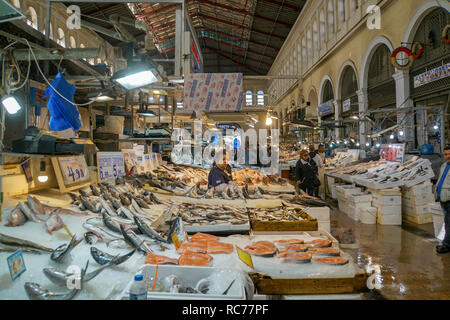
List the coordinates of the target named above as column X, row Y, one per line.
column 268, row 121
column 42, row 177
column 367, row 144
column 135, row 76
column 401, row 133
column 378, row 145
column 391, row 137
column 435, row 127
column 11, row 104
column 357, row 144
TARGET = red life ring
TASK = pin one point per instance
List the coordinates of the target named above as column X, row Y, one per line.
column 444, row 35
column 394, row 60
column 419, row 52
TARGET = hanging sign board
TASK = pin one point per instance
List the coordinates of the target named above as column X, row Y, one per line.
column 213, row 91
column 393, row 152
column 346, row 106
column 71, row 172
column 432, row 75
column 130, row 159
column 110, row 165
column 326, row 109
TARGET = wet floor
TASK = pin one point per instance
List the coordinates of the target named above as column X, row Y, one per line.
column 406, row 256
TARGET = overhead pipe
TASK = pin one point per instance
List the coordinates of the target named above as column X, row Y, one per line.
column 56, row 54
column 105, row 31
column 116, row 21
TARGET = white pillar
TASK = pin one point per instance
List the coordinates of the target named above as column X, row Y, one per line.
column 336, row 117
column 363, row 102
column 402, row 90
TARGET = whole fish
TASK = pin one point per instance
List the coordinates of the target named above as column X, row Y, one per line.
column 136, row 207
column 61, row 252
column 103, row 258
column 10, row 249
column 92, row 237
column 126, row 212
column 5, row 239
column 130, row 188
column 59, row 210
column 154, row 198
column 148, row 230
column 104, row 234
column 84, row 193
column 177, row 227
column 88, row 204
column 54, row 223
column 103, row 188
column 28, row 213
column 125, row 200
column 74, row 196
column 108, row 209
column 110, row 224
column 36, row 292
column 35, row 205
column 95, row 191
column 16, row 218
column 60, row 277
column 133, row 240
column 142, row 203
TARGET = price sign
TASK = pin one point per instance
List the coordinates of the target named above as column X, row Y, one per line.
column 393, row 152
column 130, row 159
column 159, row 159
column 141, row 165
column 148, row 162
column 346, row 105
column 175, row 240
column 110, row 165
column 16, row 264
column 245, row 257
column 73, row 169
column 154, row 161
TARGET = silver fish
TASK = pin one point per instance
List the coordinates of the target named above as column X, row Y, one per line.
column 132, row 239
column 89, row 205
column 60, row 277
column 11, row 249
column 104, row 234
column 148, row 230
column 28, row 213
column 95, row 191
column 5, row 239
column 92, row 237
column 136, row 207
column 35, row 205
column 108, row 209
column 84, row 193
column 61, row 252
column 126, row 212
column 36, row 292
column 54, row 223
column 103, row 258
column 16, row 218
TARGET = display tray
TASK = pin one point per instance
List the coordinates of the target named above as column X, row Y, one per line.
column 308, row 224
column 218, row 228
column 268, row 286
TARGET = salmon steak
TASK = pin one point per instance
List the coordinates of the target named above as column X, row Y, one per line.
column 262, row 248
column 324, row 252
column 156, row 259
column 286, row 242
column 337, row 261
column 195, row 259
column 199, row 236
column 295, row 248
column 216, row 247
column 192, row 247
column 297, row 257
column 319, row 243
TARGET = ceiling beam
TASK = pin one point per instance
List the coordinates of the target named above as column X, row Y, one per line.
column 155, row 12
column 249, row 59
column 240, row 26
column 235, row 61
column 286, row 5
column 109, row 6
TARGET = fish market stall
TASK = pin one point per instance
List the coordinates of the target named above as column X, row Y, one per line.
column 282, row 219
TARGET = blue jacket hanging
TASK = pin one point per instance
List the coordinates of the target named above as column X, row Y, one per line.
column 63, row 115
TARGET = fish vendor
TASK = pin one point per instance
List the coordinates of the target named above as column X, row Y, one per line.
column 220, row 173
column 443, row 196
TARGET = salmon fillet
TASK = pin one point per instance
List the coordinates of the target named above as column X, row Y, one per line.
column 199, row 236
column 319, row 243
column 286, row 242
column 215, row 247
column 295, row 248
column 192, row 247
column 195, row 259
column 156, row 259
column 262, row 248
column 324, row 252
column 298, row 257
column 332, row 260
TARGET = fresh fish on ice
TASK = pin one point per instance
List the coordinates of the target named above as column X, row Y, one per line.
column 16, row 218
column 103, row 258
column 54, row 223
column 8, row 240
column 61, row 252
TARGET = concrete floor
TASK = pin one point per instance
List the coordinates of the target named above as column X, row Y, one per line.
column 406, row 255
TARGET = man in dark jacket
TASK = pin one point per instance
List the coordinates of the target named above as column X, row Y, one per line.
column 220, row 173
column 305, row 173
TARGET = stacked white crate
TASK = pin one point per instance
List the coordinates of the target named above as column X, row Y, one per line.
column 322, row 214
column 415, row 203
column 438, row 218
column 343, row 192
column 358, row 202
column 389, row 206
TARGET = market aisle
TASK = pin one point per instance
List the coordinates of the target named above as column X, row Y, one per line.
column 410, row 266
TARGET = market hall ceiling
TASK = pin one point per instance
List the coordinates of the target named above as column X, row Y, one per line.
column 234, row 35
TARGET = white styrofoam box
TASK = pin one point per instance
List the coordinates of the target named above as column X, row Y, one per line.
column 387, row 191
column 389, row 210
column 368, row 216
column 389, row 219
column 415, row 209
column 435, row 208
column 345, row 191
column 438, row 222
column 320, row 213
column 353, row 213
column 387, row 200
column 429, row 174
column 357, row 198
column 324, row 225
column 418, row 218
column 190, row 275
column 423, row 188
column 360, row 205
column 420, row 199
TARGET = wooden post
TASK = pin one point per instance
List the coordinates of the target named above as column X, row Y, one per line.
column 91, row 134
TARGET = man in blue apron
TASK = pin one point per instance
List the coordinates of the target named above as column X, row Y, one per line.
column 443, row 196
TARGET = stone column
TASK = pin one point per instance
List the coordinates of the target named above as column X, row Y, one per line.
column 402, row 89
column 363, row 102
column 336, row 104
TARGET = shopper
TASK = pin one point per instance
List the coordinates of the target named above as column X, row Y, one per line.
column 305, row 173
column 443, row 196
column 316, row 162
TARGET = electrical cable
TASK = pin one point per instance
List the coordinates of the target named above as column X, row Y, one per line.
column 46, row 80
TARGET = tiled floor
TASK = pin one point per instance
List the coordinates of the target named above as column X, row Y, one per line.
column 406, row 255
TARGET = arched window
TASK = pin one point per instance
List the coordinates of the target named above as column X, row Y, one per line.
column 299, row 57
column 327, row 94
column 260, row 98
column 32, row 18
column 330, row 17
column 16, row 3
column 341, row 13
column 73, row 43
column 51, row 31
column 315, row 36
column 323, row 38
column 309, row 45
column 249, row 98
column 304, row 62
column 61, row 38
column 83, row 46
